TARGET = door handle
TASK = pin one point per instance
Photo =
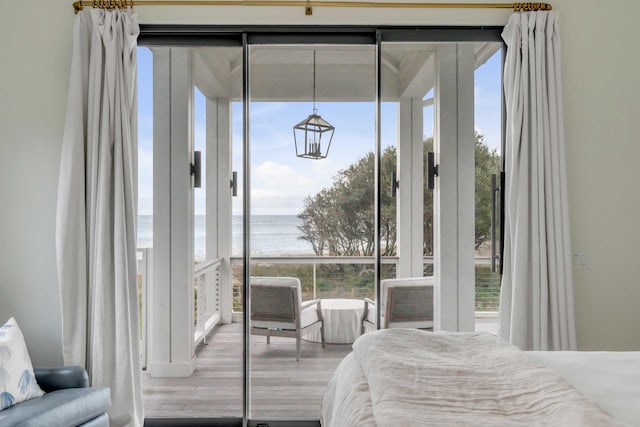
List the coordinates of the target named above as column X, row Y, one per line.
column 503, row 190
column 432, row 170
column 234, row 183
column 494, row 199
column 497, row 211
column 395, row 184
column 196, row 169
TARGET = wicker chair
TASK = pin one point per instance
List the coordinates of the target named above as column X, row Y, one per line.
column 406, row 303
column 277, row 310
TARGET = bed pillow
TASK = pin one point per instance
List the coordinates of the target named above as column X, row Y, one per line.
column 17, row 381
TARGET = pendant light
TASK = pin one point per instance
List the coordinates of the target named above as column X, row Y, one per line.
column 313, row 135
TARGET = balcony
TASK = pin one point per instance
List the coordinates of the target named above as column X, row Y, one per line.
column 279, row 384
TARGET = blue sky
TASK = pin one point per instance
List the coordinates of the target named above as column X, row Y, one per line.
column 280, row 180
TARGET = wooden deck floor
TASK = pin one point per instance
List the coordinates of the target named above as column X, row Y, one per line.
column 281, row 388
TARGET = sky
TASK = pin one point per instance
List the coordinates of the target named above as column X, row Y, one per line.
column 280, row 180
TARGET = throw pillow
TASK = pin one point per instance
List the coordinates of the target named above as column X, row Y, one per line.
column 17, row 381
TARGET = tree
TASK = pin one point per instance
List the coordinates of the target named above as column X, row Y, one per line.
column 339, row 220
column 488, row 162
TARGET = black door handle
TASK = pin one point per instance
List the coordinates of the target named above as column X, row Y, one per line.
column 196, row 169
column 395, row 184
column 432, row 170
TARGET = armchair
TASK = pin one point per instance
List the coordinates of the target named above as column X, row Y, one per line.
column 277, row 310
column 406, row 303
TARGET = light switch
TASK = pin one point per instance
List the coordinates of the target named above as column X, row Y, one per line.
column 580, row 260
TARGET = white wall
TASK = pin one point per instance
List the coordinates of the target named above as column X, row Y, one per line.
column 35, row 44
column 602, row 109
column 601, row 67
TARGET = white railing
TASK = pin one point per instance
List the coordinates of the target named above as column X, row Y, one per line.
column 206, row 282
column 145, row 267
column 315, row 261
column 485, row 296
column 206, row 285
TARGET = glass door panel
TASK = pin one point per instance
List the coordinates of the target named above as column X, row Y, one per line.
column 427, row 214
column 408, row 79
column 144, row 244
column 312, row 217
column 488, row 184
column 217, row 78
column 428, row 93
column 194, row 352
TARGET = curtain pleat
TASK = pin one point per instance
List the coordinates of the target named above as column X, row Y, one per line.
column 96, row 214
column 536, row 300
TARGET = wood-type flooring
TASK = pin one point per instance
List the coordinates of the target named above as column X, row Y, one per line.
column 281, row 388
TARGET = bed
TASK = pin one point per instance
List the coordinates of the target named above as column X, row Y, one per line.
column 406, row 377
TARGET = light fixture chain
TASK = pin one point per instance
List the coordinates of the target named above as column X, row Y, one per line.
column 314, row 82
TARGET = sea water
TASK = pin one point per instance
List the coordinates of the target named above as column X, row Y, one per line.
column 271, row 235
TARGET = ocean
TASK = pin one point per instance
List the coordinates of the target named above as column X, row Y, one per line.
column 271, row 235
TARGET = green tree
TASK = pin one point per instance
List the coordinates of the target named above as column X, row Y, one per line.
column 339, row 220
column 488, row 162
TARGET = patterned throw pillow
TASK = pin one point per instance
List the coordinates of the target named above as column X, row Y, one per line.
column 17, row 381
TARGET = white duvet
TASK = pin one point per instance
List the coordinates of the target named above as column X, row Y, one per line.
column 406, row 377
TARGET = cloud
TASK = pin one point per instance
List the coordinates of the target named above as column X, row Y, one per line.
column 271, row 174
column 279, row 188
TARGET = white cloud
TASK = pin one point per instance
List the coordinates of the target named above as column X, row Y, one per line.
column 279, row 189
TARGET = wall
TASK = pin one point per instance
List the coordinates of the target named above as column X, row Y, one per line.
column 601, row 62
column 602, row 106
column 36, row 51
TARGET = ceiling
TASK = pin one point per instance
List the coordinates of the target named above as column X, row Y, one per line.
column 343, row 73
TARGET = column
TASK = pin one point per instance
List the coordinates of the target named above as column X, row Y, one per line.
column 454, row 204
column 171, row 327
column 410, row 194
column 219, row 215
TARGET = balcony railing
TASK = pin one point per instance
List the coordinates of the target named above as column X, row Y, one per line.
column 145, row 268
column 320, row 277
column 352, row 277
column 206, row 297
column 206, row 278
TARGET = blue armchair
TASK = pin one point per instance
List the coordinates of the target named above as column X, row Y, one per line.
column 68, row 401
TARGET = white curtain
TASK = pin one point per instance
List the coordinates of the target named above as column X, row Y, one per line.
column 96, row 215
column 536, row 300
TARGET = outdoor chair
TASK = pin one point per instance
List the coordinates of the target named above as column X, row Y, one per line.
column 406, row 303
column 277, row 310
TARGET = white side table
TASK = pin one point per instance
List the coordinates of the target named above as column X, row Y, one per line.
column 342, row 321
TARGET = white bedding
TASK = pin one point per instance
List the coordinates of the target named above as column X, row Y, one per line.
column 415, row 378
column 609, row 378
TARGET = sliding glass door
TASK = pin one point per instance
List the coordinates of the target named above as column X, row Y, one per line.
column 440, row 111
column 316, row 183
column 312, row 139
column 189, row 145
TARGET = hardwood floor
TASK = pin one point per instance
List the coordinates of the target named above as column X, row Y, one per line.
column 281, row 388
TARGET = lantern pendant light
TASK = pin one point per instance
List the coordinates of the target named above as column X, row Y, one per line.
column 313, row 135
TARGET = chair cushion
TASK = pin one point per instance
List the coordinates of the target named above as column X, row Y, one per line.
column 67, row 407
column 17, row 380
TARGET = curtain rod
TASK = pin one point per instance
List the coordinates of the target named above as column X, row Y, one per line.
column 308, row 4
